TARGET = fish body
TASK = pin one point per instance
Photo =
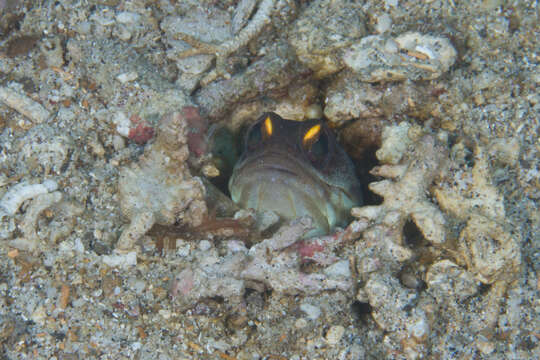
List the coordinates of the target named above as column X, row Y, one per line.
column 295, row 169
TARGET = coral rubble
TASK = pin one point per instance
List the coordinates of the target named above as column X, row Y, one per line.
column 159, row 188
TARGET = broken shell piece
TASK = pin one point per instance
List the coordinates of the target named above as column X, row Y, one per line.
column 412, row 56
column 30, row 240
column 120, row 260
column 127, row 77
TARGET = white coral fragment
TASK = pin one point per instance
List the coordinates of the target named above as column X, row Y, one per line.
column 281, row 271
column 121, row 260
column 487, row 247
column 43, row 196
column 323, row 31
column 30, row 239
column 159, row 188
column 395, row 142
column 24, row 105
column 410, row 164
column 412, row 56
column 195, row 32
column 472, row 192
column 13, row 199
column 490, row 252
column 274, row 263
column 393, row 311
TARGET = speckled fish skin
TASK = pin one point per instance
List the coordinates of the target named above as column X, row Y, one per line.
column 280, row 173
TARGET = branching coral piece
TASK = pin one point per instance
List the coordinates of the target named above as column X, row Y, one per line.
column 159, row 188
column 488, row 250
column 64, row 219
column 222, row 51
column 410, row 164
column 486, row 246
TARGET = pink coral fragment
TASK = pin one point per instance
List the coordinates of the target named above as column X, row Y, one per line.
column 142, row 132
column 307, row 250
column 196, row 137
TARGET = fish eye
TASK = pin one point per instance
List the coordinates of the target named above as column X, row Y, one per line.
column 320, row 147
column 254, row 137
column 315, row 143
column 260, row 131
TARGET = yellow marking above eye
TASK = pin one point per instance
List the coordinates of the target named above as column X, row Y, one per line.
column 268, row 127
column 312, row 135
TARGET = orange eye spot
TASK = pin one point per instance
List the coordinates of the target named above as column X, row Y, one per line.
column 268, row 126
column 312, row 135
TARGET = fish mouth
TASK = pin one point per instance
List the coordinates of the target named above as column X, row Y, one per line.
column 282, row 186
column 277, row 182
column 278, row 163
column 279, row 169
column 288, row 186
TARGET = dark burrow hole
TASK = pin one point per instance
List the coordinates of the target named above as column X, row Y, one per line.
column 361, row 310
column 412, row 235
column 363, row 166
column 483, row 288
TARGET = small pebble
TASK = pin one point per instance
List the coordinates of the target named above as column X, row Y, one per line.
column 166, row 314
column 127, row 77
column 204, row 245
column 486, row 347
column 420, row 329
column 300, row 323
column 123, row 124
column 210, row 171
column 126, row 17
column 384, row 23
column 182, row 247
column 118, row 142
column 139, row 286
column 334, row 334
column 340, row 268
column 311, row 311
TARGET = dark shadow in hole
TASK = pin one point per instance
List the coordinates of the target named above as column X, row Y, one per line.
column 225, row 148
column 483, row 288
column 363, row 166
column 412, row 235
column 361, row 311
